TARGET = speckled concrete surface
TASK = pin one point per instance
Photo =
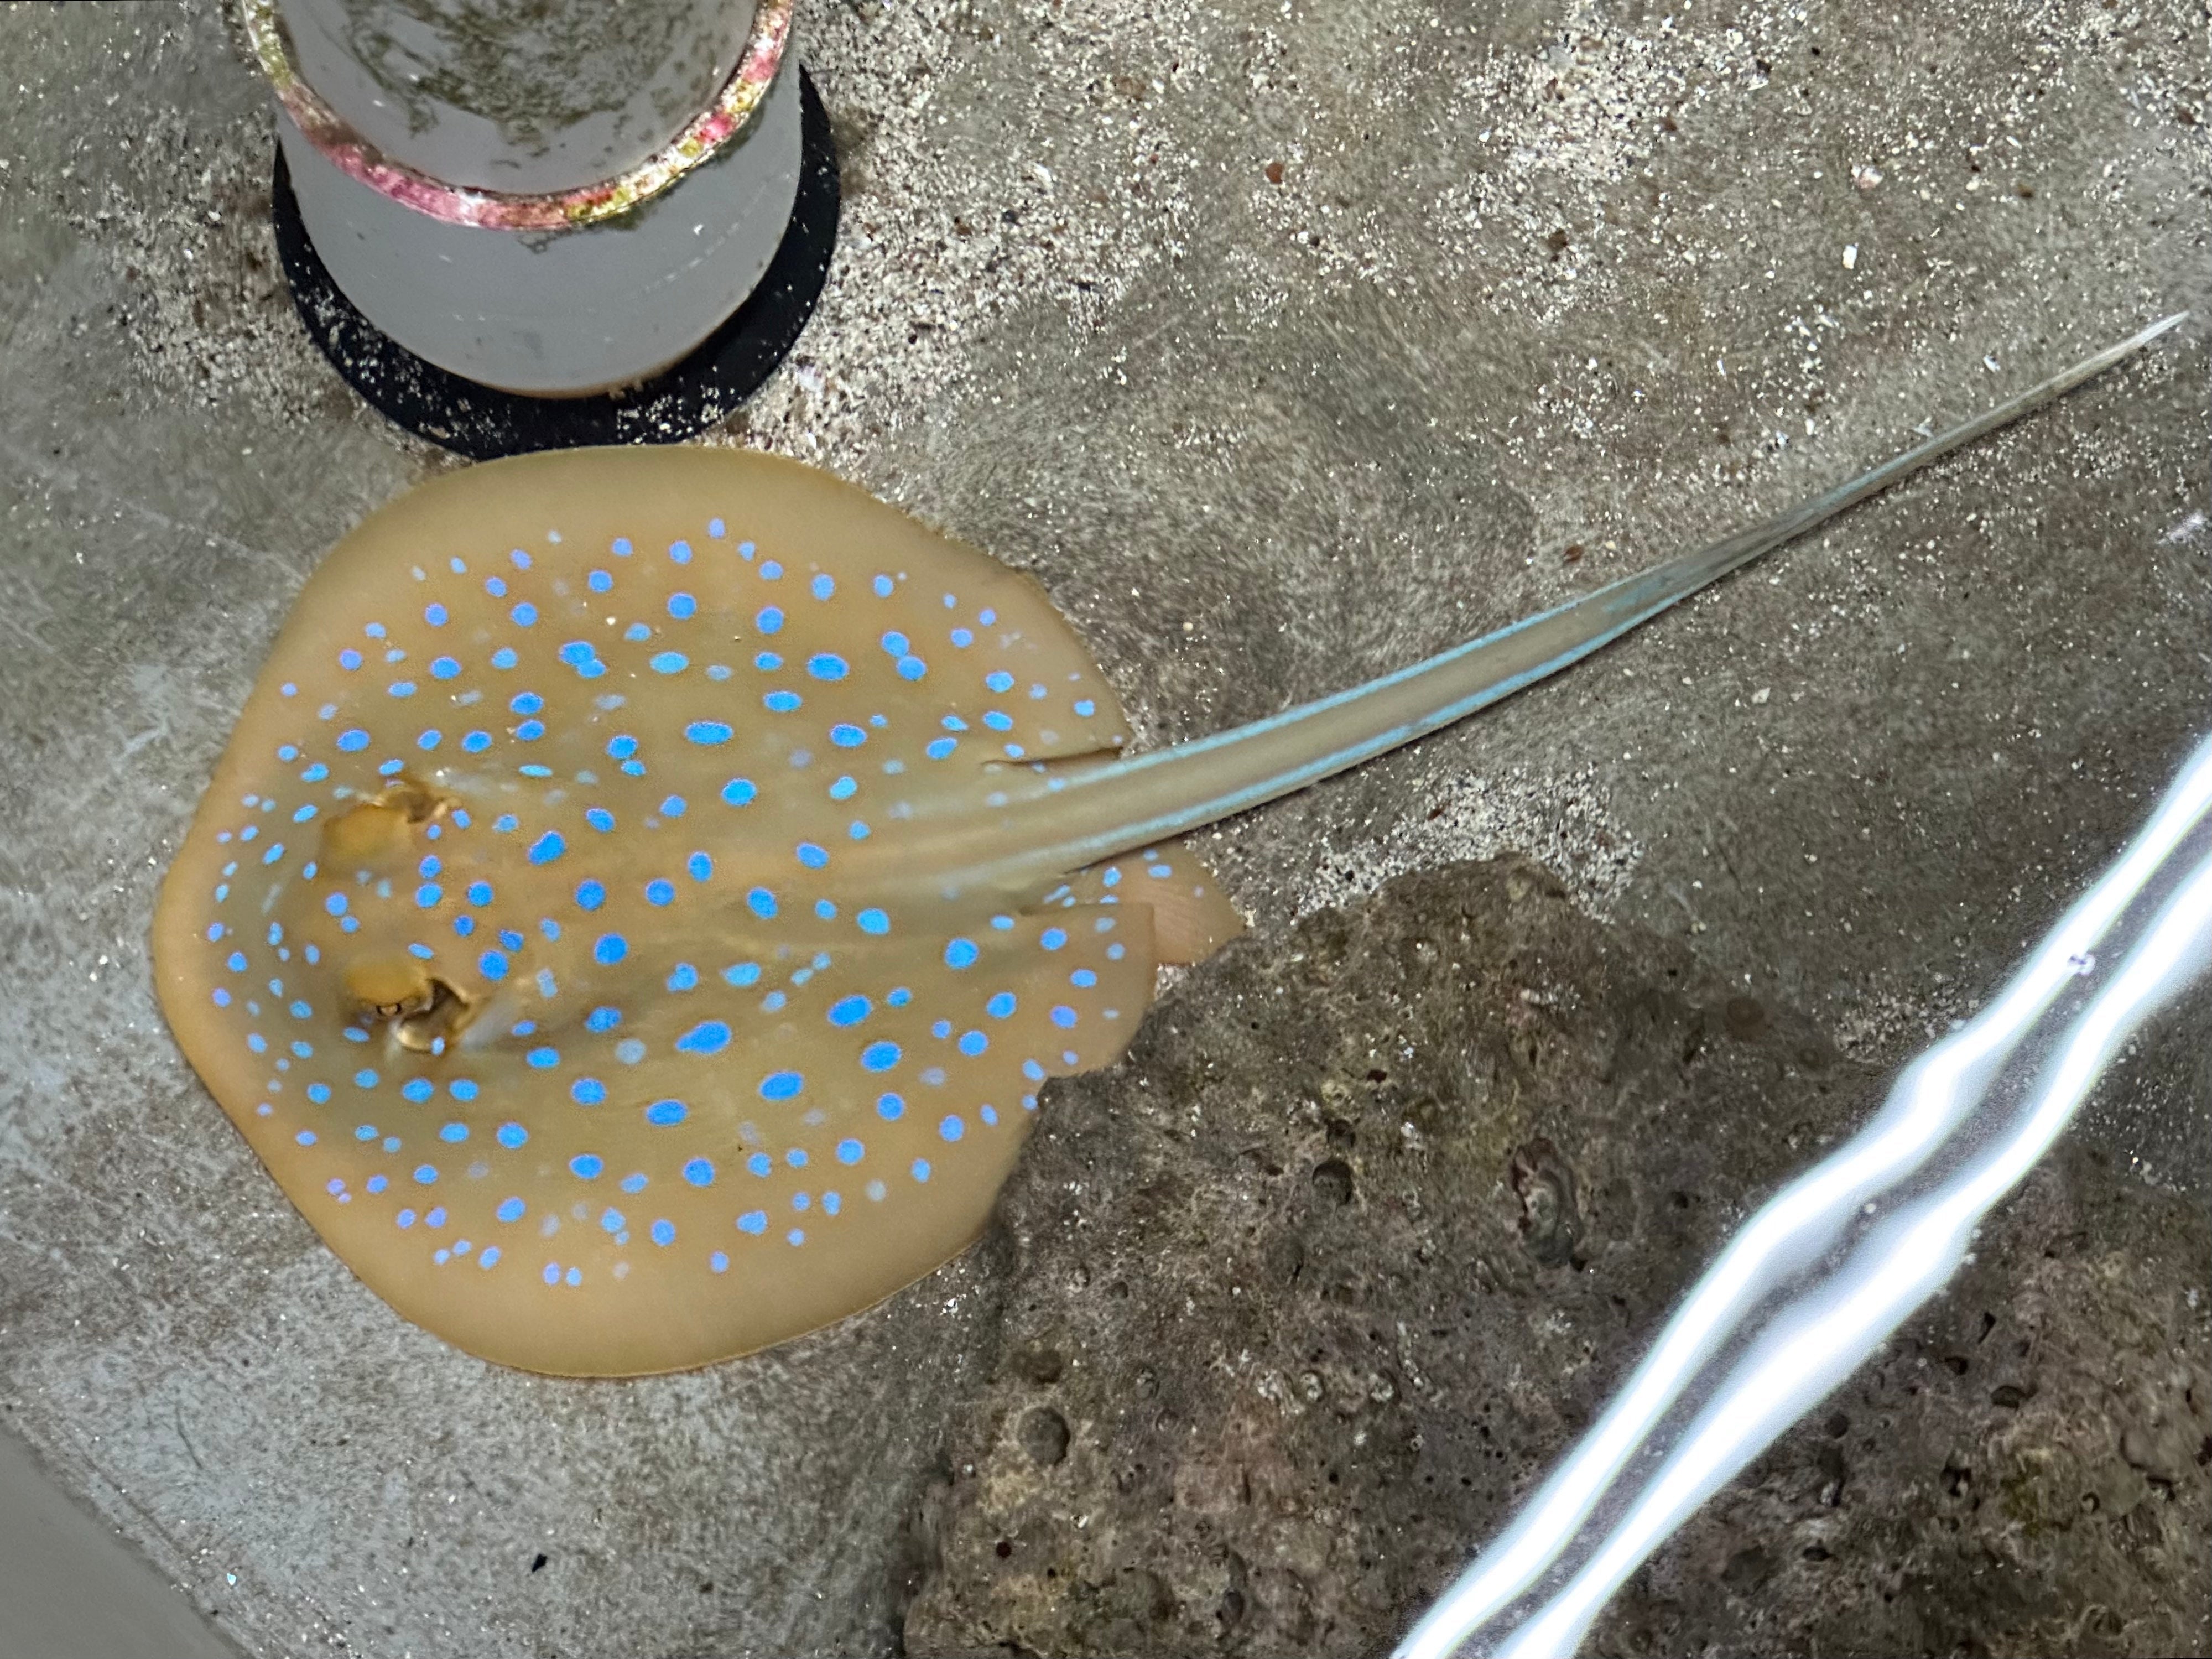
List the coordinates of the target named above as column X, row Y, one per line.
column 1282, row 345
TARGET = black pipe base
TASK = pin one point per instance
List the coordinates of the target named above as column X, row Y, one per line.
column 483, row 423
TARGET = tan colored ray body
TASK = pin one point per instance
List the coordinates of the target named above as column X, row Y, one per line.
column 579, row 1284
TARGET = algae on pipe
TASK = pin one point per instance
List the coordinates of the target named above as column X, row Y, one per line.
column 647, row 890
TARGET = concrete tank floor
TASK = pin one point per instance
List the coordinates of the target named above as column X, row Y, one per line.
column 1283, row 343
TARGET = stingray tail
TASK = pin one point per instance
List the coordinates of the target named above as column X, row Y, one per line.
column 1150, row 798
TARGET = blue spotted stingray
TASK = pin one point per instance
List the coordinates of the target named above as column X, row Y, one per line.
column 647, row 890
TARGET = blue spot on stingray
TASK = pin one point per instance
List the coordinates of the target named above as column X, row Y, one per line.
column 523, row 615
column 742, row 973
column 510, row 1209
column 477, row 742
column 425, row 1174
column 664, row 1232
column 920, row 1171
column 680, row 551
column 760, row 1164
column 586, row 1166
column 811, row 855
column 429, row 739
column 336, row 904
column 599, row 581
column 417, row 1089
column 999, row 680
column 673, row 807
column 588, row 1091
column 611, row 949
column 973, row 1044
column 699, row 866
column 590, row 896
column 603, row 1019
column 699, row 1172
column 600, row 818
column 479, row 892
column 753, row 1221
column 761, row 903
column 781, row 1085
column 769, row 621
column 684, row 978
column 1000, row 1005
column 940, row 748
column 846, row 736
column 880, row 1056
column 828, row 666
column 710, row 1037
column 637, row 631
column 998, row 722
column 849, row 1010
column 348, row 660
column 780, row 702
column 706, row 733
column 504, row 657
column 620, row 545
column 525, row 702
column 1053, row 938
column 681, row 606
column 454, row 1133
column 961, row 953
column 666, row 1112
column 1083, row 978
column 739, row 791
column 822, row 585
column 547, row 848
column 951, row 1128
column 1063, row 1016
column 462, row 1088
column 873, row 921
column 621, row 748
column 353, row 739
column 660, row 892
column 668, row 662
column 912, row 668
column 401, row 688
column 543, row 1060
column 826, row 909
column 512, row 1135
column 444, row 668
column 629, row 1051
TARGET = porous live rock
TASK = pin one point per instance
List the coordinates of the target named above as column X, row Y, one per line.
column 1308, row 1294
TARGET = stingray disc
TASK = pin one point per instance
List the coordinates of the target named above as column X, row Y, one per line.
column 559, row 929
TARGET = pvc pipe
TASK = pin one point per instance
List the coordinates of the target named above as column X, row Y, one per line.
column 551, row 197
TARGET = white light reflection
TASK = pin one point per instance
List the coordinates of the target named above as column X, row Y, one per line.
column 1815, row 1282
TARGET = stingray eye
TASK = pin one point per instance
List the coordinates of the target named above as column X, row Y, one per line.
column 381, row 830
column 385, row 987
